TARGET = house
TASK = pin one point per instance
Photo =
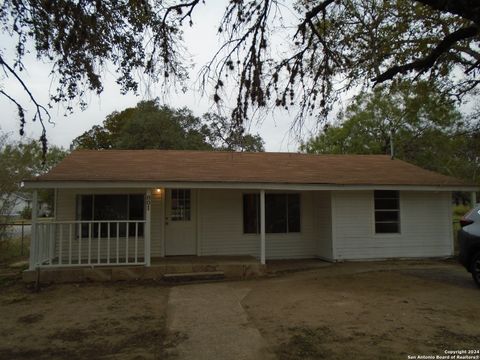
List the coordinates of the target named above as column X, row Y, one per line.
column 127, row 207
column 12, row 205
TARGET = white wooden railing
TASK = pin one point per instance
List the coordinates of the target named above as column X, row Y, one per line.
column 89, row 243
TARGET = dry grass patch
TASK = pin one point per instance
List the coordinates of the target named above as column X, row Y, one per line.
column 86, row 321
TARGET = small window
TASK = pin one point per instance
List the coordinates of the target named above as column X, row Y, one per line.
column 180, row 207
column 282, row 213
column 387, row 212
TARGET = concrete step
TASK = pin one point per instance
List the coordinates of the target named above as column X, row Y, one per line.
column 194, row 276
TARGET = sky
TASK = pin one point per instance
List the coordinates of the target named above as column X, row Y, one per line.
column 200, row 40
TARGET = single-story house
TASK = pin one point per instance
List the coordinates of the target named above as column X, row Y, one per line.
column 125, row 207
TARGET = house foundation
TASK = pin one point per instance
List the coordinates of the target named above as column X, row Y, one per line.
column 161, row 269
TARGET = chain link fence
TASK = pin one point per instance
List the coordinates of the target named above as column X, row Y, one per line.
column 14, row 240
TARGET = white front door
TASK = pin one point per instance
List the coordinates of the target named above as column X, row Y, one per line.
column 180, row 234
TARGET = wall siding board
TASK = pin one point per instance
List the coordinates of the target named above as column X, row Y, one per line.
column 424, row 221
column 323, row 216
column 221, row 228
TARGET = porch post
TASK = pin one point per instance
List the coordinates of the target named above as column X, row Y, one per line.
column 474, row 198
column 33, row 231
column 262, row 226
column 147, row 235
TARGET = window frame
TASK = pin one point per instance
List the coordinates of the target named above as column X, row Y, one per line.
column 398, row 210
column 287, row 208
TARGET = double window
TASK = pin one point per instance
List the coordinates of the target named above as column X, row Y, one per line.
column 111, row 208
column 387, row 212
column 282, row 213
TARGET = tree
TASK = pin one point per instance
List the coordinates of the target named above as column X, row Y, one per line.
column 23, row 160
column 223, row 136
column 151, row 126
column 336, row 45
column 426, row 129
column 147, row 126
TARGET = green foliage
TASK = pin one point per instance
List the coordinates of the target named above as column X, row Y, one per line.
column 340, row 45
column 333, row 47
column 426, row 128
column 223, row 136
column 24, row 160
column 79, row 38
column 459, row 211
column 13, row 249
column 26, row 213
column 147, row 126
column 151, row 126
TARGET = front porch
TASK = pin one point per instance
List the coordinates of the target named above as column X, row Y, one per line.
column 164, row 269
column 130, row 227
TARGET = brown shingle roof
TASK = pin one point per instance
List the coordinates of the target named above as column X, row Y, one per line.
column 203, row 166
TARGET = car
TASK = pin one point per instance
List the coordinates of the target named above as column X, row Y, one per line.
column 469, row 240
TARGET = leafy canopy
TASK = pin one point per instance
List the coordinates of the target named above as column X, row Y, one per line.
column 20, row 161
column 335, row 45
column 426, row 129
column 151, row 126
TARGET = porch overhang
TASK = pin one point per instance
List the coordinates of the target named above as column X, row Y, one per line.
column 238, row 185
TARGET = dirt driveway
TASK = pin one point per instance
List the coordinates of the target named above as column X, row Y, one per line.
column 368, row 311
column 382, row 310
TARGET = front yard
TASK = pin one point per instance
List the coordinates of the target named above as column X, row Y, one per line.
column 348, row 310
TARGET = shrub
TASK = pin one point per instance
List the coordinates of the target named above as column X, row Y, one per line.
column 26, row 213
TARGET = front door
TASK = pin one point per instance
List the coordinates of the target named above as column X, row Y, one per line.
column 180, row 237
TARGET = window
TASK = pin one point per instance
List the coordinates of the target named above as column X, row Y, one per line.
column 110, row 207
column 387, row 211
column 282, row 213
column 180, row 208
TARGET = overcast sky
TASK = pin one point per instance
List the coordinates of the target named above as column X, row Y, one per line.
column 201, row 41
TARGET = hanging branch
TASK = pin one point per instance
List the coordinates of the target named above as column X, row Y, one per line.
column 424, row 64
column 40, row 110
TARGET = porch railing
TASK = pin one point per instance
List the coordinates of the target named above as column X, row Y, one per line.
column 89, row 243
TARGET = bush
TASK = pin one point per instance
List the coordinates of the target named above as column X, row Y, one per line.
column 26, row 213
column 460, row 210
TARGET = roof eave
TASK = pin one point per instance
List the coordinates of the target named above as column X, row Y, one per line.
column 54, row 184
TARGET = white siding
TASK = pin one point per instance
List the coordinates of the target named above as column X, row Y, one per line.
column 425, row 219
column 220, row 224
column 323, row 215
column 220, row 228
